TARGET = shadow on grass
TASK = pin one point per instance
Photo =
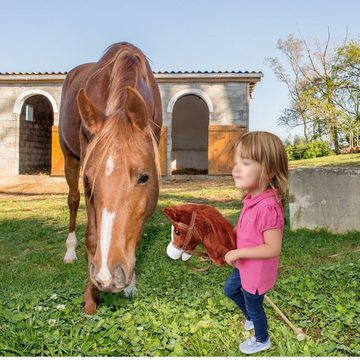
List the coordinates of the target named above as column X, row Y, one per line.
column 217, row 203
column 26, row 193
column 31, row 256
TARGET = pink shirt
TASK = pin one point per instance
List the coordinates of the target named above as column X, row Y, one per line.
column 260, row 213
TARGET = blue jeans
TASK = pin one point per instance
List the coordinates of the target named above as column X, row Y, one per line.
column 251, row 305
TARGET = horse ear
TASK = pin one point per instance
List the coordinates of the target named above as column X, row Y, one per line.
column 135, row 108
column 92, row 117
column 172, row 213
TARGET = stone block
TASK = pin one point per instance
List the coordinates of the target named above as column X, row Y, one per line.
column 325, row 198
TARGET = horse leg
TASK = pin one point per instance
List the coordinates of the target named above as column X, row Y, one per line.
column 92, row 294
column 91, row 297
column 72, row 170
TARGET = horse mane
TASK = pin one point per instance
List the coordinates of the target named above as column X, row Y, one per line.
column 127, row 64
column 218, row 234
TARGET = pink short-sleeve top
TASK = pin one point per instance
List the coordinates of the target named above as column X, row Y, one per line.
column 261, row 212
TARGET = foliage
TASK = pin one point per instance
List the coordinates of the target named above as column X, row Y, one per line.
column 309, row 150
column 324, row 89
column 175, row 312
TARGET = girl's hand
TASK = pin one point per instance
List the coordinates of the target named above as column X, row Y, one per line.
column 231, row 256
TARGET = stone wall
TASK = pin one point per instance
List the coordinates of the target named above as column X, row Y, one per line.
column 325, row 198
column 10, row 95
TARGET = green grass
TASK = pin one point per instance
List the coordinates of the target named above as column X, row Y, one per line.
column 175, row 311
column 345, row 160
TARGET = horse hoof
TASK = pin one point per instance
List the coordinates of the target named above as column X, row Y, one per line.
column 90, row 309
column 70, row 258
column 130, row 291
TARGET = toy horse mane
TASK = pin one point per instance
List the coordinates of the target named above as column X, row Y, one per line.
column 215, row 232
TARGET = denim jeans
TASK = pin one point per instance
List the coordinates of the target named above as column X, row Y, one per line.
column 251, row 305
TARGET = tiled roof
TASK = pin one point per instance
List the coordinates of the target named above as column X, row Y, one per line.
column 207, row 72
column 35, row 73
column 155, row 72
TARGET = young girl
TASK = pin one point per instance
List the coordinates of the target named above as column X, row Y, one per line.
column 261, row 172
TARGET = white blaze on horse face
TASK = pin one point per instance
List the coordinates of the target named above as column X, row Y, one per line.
column 107, row 219
column 109, row 166
column 173, row 252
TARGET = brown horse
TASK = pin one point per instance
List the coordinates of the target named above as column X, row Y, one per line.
column 110, row 123
column 194, row 224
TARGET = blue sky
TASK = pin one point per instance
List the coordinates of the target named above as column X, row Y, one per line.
column 56, row 35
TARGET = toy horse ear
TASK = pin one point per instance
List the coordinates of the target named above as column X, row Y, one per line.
column 92, row 117
column 171, row 213
column 135, row 108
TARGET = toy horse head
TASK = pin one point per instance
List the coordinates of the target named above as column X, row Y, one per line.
column 193, row 224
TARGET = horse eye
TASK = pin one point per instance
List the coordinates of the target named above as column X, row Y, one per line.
column 177, row 232
column 143, row 179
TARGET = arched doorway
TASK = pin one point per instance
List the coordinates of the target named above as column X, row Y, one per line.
column 190, row 125
column 36, row 120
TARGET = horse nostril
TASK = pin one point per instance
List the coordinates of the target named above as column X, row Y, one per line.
column 119, row 275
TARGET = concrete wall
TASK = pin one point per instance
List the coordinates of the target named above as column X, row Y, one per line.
column 325, row 198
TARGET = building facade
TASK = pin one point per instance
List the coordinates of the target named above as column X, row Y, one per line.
column 203, row 112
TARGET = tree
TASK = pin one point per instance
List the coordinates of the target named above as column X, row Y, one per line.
column 347, row 96
column 323, row 87
column 293, row 50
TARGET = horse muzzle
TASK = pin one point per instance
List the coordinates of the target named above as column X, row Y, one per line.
column 109, row 281
column 174, row 253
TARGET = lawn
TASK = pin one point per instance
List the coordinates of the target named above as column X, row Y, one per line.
column 175, row 311
column 344, row 160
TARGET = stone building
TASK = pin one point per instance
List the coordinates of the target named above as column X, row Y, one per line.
column 203, row 113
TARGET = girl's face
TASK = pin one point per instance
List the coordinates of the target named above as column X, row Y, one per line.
column 246, row 173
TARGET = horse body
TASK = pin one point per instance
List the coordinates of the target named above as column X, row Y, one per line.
column 110, row 123
column 70, row 119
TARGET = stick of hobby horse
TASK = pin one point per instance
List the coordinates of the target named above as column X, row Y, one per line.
column 298, row 332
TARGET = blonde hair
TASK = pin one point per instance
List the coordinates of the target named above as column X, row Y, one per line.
column 268, row 150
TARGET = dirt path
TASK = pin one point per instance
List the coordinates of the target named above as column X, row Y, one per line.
column 35, row 189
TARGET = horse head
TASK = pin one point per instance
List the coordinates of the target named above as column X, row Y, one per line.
column 121, row 174
column 207, row 226
column 180, row 246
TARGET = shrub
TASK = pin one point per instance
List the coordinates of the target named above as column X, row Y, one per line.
column 317, row 149
column 310, row 150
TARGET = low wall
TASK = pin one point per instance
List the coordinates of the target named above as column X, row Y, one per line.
column 325, row 198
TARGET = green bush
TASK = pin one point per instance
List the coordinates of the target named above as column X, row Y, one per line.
column 310, row 150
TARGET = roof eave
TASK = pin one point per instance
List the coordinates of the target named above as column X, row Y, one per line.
column 213, row 77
